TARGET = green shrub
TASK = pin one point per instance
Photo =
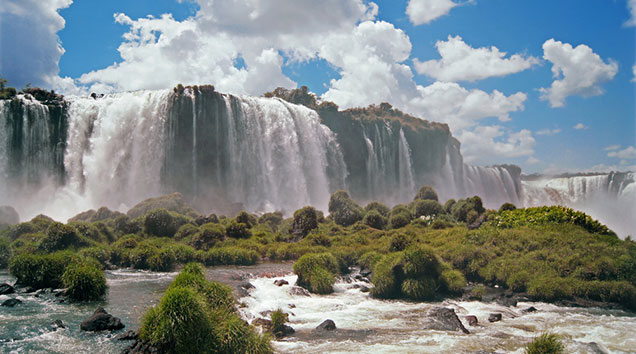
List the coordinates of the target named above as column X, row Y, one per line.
column 546, row 343
column 399, row 220
column 185, row 232
column 238, row 230
column 420, row 261
column 548, row 288
column 305, row 220
column 5, row 252
column 208, row 236
column 41, row 271
column 271, row 219
column 448, row 206
column 246, row 218
column 316, row 272
column 60, row 237
column 379, row 207
column 162, row 223
column 453, row 281
column 507, row 206
column 427, row 208
column 462, row 208
column 279, row 318
column 388, row 275
column 369, row 259
column 549, row 215
column 183, row 253
column 344, row 210
column 84, row 282
column 419, row 289
column 426, row 193
column 374, row 219
column 399, row 242
column 100, row 254
column 162, row 261
column 230, row 256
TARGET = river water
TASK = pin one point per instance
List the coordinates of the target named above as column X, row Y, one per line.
column 364, row 324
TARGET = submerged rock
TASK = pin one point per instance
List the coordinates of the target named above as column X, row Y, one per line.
column 444, row 319
column 298, row 291
column 529, row 309
column 6, row 289
column 326, row 325
column 472, row 320
column 281, row 282
column 58, row 324
column 494, row 317
column 11, row 302
column 101, row 321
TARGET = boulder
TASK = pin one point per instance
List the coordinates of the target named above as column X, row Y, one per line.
column 281, row 282
column 128, row 335
column 6, row 289
column 287, row 331
column 243, row 288
column 58, row 324
column 444, row 319
column 11, row 302
column 494, row 317
column 141, row 347
column 298, row 291
column 8, row 216
column 472, row 320
column 101, row 321
column 529, row 309
column 326, row 325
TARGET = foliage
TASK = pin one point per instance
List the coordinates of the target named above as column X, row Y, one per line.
column 162, row 223
column 84, row 282
column 344, row 210
column 379, row 207
column 208, row 236
column 316, row 272
column 546, row 343
column 305, row 220
column 374, row 219
column 5, row 252
column 400, row 219
column 237, row 230
column 427, row 208
column 549, row 215
column 426, row 193
column 41, row 271
column 507, row 207
column 59, row 237
column 279, row 318
column 463, row 208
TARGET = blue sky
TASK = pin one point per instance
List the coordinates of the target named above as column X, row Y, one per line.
column 502, row 108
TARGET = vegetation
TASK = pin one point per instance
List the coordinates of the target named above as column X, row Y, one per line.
column 551, row 253
column 546, row 343
column 84, row 282
column 198, row 316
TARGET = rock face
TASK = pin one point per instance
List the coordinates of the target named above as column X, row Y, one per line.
column 6, row 289
column 101, row 321
column 444, row 319
column 11, row 302
column 8, row 216
column 494, row 317
column 326, row 325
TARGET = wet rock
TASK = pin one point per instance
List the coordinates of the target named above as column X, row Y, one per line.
column 596, row 348
column 365, row 272
column 11, row 302
column 286, row 331
column 128, row 335
column 326, row 325
column 298, row 291
column 529, row 309
column 141, row 347
column 281, row 282
column 6, row 289
column 59, row 292
column 292, row 306
column 472, row 320
column 364, row 289
column 494, row 317
column 243, row 288
column 444, row 319
column 101, row 321
column 264, row 323
column 58, row 324
column 265, row 313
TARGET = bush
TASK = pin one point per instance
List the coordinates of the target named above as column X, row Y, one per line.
column 271, row 219
column 400, row 219
column 344, row 210
column 453, row 281
column 305, row 220
column 208, row 236
column 162, row 223
column 427, row 208
column 279, row 318
column 426, row 193
column 230, row 256
column 163, row 261
column 41, row 271
column 462, row 208
column 5, row 252
column 379, row 207
column 183, row 253
column 419, row 289
column 84, row 282
column 59, row 237
column 185, row 231
column 546, row 343
column 448, row 206
column 374, row 219
column 399, row 242
column 507, row 206
column 369, row 259
column 246, row 218
column 238, row 230
column 100, row 254
column 316, row 272
column 388, row 275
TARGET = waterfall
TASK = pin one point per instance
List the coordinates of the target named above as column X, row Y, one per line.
column 406, row 182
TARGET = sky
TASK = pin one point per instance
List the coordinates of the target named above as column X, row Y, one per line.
column 547, row 85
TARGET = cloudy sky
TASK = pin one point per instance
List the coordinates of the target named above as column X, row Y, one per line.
column 548, row 85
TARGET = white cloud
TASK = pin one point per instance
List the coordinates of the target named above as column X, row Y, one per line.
column 580, row 126
column 549, row 131
column 631, row 5
column 461, row 62
column 627, row 153
column 30, row 44
column 532, row 160
column 425, row 11
column 634, row 70
column 612, row 147
column 577, row 71
column 486, row 144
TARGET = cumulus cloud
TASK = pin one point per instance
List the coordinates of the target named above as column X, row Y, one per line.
column 634, row 72
column 549, row 131
column 580, row 126
column 425, row 11
column 30, row 46
column 577, row 71
column 612, row 147
column 627, row 153
column 480, row 144
column 461, row 62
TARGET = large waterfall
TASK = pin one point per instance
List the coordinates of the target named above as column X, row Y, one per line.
column 226, row 153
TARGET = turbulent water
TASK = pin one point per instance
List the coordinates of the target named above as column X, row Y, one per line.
column 227, row 153
column 364, row 324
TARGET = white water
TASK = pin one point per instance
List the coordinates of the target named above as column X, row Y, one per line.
column 367, row 325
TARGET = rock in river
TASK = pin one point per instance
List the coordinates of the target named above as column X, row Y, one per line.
column 101, row 321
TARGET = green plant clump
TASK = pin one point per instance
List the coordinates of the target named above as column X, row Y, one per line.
column 546, row 343
column 84, row 282
column 316, row 272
